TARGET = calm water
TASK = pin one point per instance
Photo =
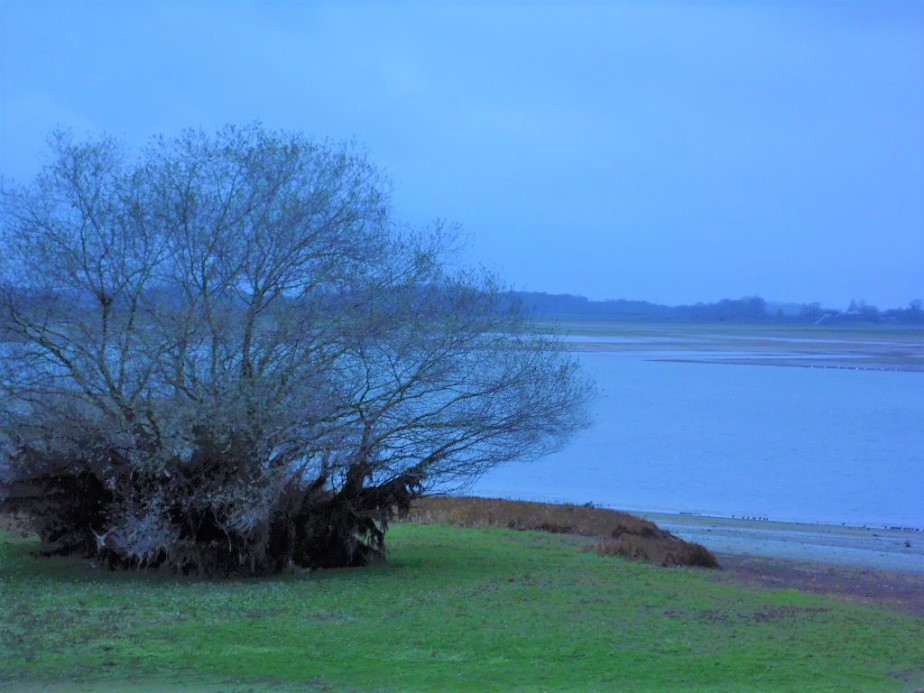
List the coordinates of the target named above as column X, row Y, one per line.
column 798, row 444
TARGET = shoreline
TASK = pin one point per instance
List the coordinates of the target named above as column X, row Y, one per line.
column 888, row 549
column 883, row 351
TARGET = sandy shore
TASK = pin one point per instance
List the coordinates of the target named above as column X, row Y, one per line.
column 859, row 547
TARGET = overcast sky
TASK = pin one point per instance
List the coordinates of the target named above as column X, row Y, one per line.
column 672, row 152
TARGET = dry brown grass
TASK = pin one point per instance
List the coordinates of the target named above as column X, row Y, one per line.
column 619, row 533
column 672, row 551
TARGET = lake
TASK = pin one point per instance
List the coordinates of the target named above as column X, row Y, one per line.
column 711, row 433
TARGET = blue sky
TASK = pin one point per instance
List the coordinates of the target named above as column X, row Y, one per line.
column 674, row 152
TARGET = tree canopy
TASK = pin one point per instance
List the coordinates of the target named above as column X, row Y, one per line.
column 225, row 355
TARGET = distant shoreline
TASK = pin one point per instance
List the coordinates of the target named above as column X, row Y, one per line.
column 892, row 549
column 808, row 363
column 892, row 350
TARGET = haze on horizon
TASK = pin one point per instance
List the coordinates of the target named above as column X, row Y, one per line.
column 669, row 152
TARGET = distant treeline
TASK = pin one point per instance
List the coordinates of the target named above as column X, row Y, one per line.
column 749, row 309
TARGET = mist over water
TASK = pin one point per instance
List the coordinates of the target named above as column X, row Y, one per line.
column 794, row 444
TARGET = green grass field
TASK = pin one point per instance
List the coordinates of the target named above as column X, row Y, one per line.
column 453, row 609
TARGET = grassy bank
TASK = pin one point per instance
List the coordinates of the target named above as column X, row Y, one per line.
column 616, row 533
column 453, row 609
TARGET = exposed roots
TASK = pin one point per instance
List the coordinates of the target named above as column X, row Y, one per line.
column 200, row 517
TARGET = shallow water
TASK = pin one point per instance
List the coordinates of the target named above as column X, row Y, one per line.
column 795, row 444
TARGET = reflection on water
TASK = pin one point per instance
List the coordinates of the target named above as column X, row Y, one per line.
column 811, row 445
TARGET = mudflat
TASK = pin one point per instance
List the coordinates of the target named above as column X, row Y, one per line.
column 883, row 566
column 892, row 548
column 882, row 348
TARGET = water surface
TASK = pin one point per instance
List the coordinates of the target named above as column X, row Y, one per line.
column 794, row 444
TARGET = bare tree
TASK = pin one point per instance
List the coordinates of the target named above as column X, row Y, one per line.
column 226, row 357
